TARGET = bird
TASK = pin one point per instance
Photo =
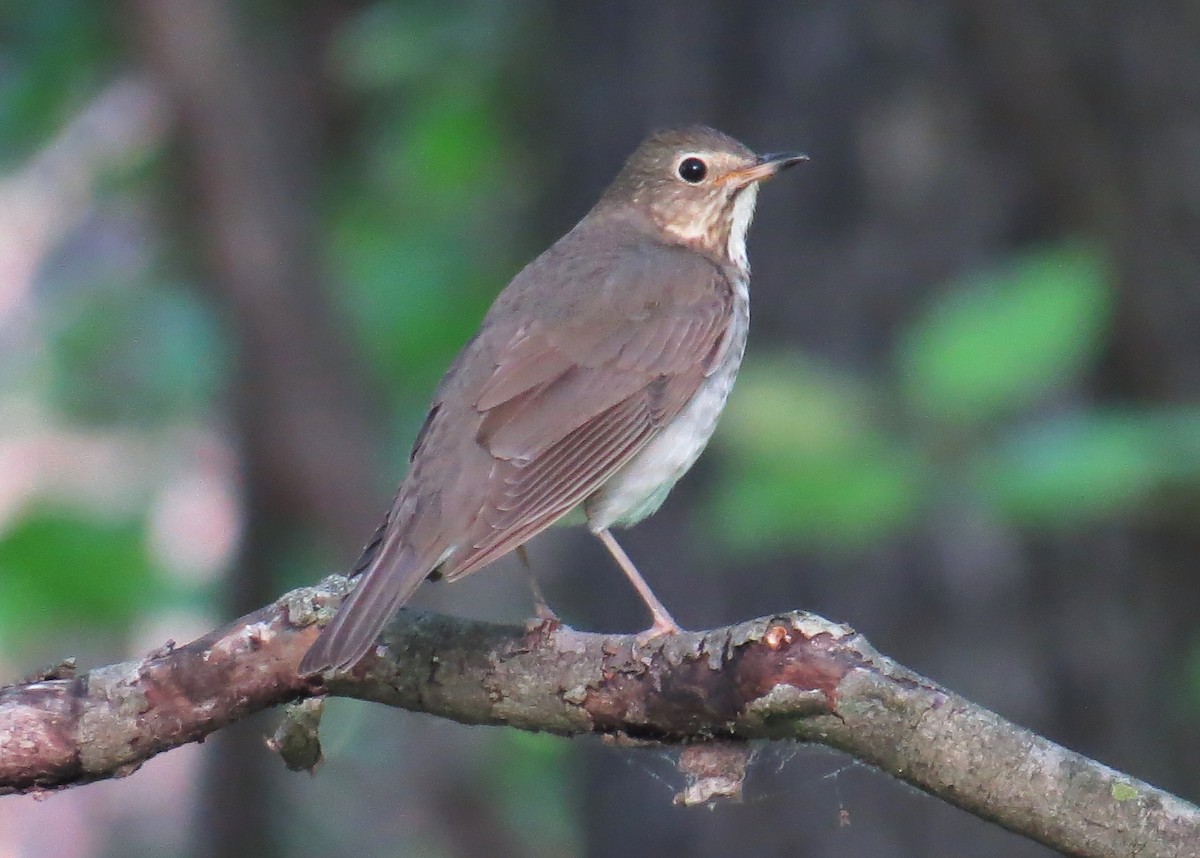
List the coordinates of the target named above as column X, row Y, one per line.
column 593, row 384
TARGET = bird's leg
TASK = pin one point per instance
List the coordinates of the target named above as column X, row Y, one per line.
column 541, row 608
column 664, row 623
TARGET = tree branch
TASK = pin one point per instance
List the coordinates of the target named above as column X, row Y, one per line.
column 793, row 676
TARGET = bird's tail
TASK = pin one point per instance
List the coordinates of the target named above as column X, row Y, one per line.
column 386, row 584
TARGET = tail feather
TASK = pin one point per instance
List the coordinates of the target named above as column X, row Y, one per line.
column 382, row 589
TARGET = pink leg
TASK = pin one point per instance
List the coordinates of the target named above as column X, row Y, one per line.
column 541, row 608
column 664, row 623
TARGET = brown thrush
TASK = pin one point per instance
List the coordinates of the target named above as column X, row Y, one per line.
column 592, row 385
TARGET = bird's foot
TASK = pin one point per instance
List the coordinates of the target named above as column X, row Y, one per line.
column 544, row 620
column 545, row 613
column 663, row 626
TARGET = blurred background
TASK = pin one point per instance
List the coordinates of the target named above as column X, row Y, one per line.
column 240, row 241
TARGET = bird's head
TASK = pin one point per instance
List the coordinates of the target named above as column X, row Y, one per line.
column 698, row 186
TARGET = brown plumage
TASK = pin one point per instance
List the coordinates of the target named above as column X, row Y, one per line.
column 630, row 325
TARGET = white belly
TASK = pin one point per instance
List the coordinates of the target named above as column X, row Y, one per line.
column 640, row 487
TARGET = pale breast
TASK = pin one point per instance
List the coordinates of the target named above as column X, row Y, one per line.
column 640, row 487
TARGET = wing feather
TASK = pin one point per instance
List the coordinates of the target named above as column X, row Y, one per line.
column 525, row 364
column 556, row 435
column 535, row 415
column 578, row 469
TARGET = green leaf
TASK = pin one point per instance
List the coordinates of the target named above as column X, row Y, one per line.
column 57, row 567
column 996, row 345
column 55, row 57
column 413, row 299
column 453, row 144
column 807, row 465
column 1090, row 465
column 839, row 502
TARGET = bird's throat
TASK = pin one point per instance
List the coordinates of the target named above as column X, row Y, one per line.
column 739, row 225
column 720, row 229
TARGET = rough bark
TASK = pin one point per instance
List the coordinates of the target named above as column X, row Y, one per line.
column 787, row 677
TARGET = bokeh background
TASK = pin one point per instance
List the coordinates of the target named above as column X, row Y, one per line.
column 240, row 241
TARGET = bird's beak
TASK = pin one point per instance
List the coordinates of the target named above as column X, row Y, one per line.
column 767, row 166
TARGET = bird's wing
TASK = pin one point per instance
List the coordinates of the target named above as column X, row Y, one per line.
column 569, row 403
column 525, row 432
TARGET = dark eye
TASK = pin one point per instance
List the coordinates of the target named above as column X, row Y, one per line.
column 692, row 170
